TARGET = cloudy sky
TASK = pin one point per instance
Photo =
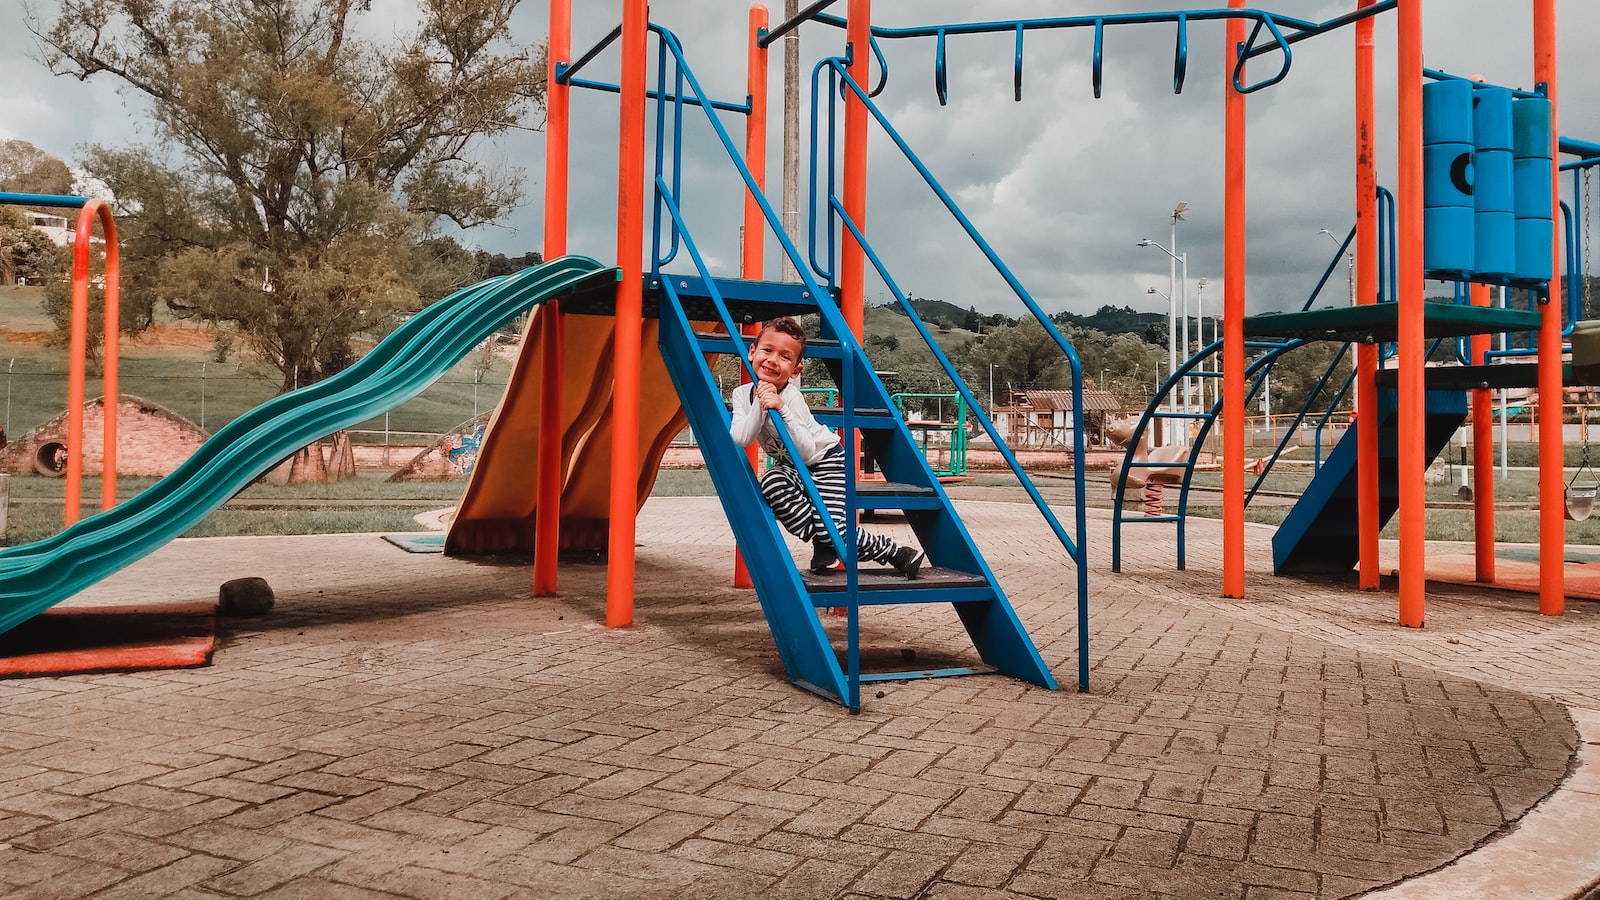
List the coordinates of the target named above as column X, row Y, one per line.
column 1061, row 184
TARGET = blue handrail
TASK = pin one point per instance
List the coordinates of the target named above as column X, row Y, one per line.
column 666, row 200
column 845, row 543
column 840, row 82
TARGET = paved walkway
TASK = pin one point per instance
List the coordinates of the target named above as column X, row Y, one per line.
column 404, row 725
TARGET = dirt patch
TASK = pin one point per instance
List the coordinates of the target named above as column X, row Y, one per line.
column 34, row 338
column 174, row 336
column 160, row 336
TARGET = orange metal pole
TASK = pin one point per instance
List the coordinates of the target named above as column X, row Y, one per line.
column 630, row 316
column 1366, row 293
column 547, row 478
column 77, row 368
column 1408, row 230
column 111, row 347
column 852, row 259
column 1233, row 311
column 1482, row 457
column 753, row 251
column 1552, row 500
column 78, row 364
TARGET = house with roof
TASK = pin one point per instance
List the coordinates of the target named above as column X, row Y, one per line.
column 1042, row 419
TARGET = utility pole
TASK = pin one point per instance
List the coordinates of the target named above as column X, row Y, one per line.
column 791, row 137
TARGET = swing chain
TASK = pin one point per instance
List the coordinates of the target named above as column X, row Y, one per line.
column 1588, row 202
column 1583, row 465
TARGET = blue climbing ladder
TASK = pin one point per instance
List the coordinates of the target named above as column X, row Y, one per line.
column 954, row 572
column 1320, row 534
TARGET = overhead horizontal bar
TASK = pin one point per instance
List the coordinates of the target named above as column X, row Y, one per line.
column 54, row 201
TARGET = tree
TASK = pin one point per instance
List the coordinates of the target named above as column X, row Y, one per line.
column 488, row 265
column 24, row 252
column 1025, row 356
column 25, row 169
column 1124, row 364
column 1296, row 374
column 299, row 166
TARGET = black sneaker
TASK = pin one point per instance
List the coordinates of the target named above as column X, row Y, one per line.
column 907, row 561
column 823, row 557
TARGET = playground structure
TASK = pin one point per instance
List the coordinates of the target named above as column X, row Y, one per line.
column 943, row 443
column 848, row 251
column 1398, row 239
column 642, row 336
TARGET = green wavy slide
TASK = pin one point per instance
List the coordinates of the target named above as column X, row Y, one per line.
column 35, row 577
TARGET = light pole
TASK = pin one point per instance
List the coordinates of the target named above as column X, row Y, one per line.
column 1172, row 360
column 1200, row 328
column 1181, row 260
column 992, row 367
column 1350, row 263
column 1178, row 296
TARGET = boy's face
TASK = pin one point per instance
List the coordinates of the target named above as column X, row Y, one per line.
column 776, row 358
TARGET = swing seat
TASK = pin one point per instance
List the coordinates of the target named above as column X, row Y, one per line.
column 1580, row 502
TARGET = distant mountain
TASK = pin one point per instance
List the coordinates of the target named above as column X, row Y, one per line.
column 1107, row 319
column 1117, row 320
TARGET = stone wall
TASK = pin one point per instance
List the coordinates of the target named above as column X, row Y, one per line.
column 151, row 439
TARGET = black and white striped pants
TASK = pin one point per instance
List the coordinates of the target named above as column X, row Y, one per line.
column 786, row 494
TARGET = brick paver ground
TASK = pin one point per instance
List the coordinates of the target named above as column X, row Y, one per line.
column 404, row 725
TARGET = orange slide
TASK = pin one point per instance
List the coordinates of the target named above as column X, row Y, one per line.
column 496, row 514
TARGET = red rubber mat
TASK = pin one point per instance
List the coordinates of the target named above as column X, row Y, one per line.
column 110, row 639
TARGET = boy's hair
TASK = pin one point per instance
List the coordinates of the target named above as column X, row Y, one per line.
column 788, row 325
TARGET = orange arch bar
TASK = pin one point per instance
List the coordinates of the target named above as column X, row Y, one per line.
column 78, row 362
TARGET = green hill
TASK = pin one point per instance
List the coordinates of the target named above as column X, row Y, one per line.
column 884, row 322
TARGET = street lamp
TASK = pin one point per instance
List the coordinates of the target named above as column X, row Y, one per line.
column 1200, row 327
column 1177, row 297
column 992, row 367
column 1351, row 264
column 1172, row 361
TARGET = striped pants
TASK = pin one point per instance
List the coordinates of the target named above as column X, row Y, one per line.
column 786, row 494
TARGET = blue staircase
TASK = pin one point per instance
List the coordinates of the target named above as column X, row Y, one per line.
column 1320, row 535
column 791, row 597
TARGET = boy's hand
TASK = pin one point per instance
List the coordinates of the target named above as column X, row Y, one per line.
column 767, row 396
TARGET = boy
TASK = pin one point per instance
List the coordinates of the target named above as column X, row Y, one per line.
column 776, row 358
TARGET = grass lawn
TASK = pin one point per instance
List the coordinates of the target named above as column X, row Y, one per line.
column 368, row 502
column 1449, row 518
column 175, row 365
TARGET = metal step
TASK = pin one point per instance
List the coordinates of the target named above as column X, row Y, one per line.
column 876, row 585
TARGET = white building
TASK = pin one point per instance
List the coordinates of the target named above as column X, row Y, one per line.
column 55, row 227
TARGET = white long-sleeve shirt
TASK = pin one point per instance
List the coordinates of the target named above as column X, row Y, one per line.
column 750, row 423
